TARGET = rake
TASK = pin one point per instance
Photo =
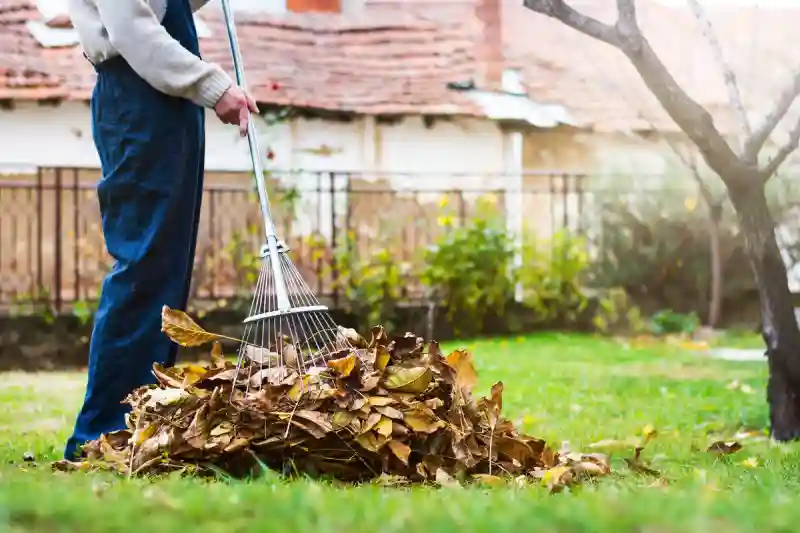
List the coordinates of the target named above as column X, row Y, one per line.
column 287, row 326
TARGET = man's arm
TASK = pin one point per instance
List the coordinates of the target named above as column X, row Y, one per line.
column 135, row 32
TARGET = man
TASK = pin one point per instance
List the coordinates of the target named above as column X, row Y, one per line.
column 148, row 109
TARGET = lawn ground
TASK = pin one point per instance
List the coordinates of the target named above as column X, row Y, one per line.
column 560, row 387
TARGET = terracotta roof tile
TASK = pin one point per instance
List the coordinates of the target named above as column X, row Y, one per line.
column 398, row 56
column 390, row 63
column 23, row 72
column 600, row 88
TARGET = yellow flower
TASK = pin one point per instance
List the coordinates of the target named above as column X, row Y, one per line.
column 690, row 203
column 750, row 462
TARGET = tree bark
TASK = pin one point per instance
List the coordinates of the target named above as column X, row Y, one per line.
column 715, row 247
column 780, row 330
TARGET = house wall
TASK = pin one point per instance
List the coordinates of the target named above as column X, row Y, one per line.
column 60, row 136
column 553, row 158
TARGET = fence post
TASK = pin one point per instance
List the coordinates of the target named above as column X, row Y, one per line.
column 514, row 180
column 212, row 237
column 39, row 231
column 334, row 239
column 58, row 244
column 76, row 234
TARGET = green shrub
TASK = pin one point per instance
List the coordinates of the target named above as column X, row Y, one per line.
column 370, row 287
column 667, row 321
column 615, row 313
column 552, row 275
column 469, row 271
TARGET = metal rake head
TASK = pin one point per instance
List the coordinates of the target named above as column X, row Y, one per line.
column 277, row 341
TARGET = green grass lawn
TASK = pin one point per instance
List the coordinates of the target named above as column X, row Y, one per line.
column 561, row 387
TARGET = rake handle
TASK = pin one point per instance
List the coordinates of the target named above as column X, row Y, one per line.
column 258, row 169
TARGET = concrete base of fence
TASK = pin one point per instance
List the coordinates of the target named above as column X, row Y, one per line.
column 32, row 343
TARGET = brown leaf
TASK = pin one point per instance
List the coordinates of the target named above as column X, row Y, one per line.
column 556, row 479
column 637, row 465
column 182, row 330
column 443, row 479
column 514, row 448
column 168, row 377
column 391, row 412
column 412, row 380
column 341, row 419
column 589, row 468
column 490, row 481
column 371, row 441
column 409, row 346
column 382, row 357
column 461, row 362
column 343, row 366
column 399, row 430
column 352, row 337
column 421, row 423
column 236, row 445
column 724, row 448
column 217, row 357
column 400, row 450
column 384, row 427
column 610, row 445
column 370, row 422
column 321, row 420
column 380, row 401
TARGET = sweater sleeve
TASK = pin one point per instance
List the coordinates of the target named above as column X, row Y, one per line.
column 136, row 34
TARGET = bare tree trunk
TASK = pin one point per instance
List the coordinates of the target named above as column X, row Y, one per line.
column 780, row 330
column 717, row 280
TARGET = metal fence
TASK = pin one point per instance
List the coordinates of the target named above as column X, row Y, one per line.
column 52, row 250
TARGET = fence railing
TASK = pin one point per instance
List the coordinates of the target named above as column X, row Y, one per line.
column 52, row 249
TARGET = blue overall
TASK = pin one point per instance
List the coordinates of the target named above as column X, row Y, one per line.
column 151, row 148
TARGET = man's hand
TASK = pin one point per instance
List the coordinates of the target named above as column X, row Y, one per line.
column 234, row 108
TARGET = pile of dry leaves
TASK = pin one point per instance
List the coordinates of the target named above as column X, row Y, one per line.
column 397, row 410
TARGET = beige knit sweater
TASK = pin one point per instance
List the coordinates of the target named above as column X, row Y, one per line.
column 132, row 29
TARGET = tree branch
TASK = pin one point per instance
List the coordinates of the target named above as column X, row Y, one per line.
column 734, row 96
column 783, row 152
column 690, row 116
column 689, row 162
column 626, row 12
column 559, row 10
column 756, row 141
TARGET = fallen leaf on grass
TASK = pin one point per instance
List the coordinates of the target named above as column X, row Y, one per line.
column 724, row 448
column 660, row 483
column 649, row 433
column 443, row 479
column 490, row 481
column 636, row 464
column 741, row 387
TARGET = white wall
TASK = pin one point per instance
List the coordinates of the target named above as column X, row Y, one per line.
column 60, row 135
